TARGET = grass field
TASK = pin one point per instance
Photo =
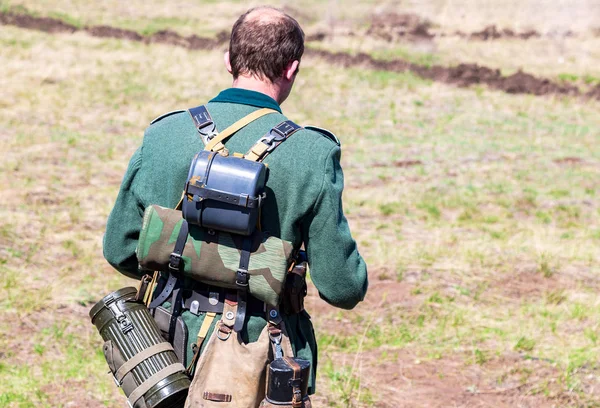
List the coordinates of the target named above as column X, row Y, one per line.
column 477, row 211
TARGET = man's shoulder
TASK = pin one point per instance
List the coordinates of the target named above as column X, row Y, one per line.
column 177, row 122
column 323, row 133
column 166, row 115
column 316, row 137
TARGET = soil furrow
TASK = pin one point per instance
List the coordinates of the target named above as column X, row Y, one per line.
column 463, row 75
column 398, row 27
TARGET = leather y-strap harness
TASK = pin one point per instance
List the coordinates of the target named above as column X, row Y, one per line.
column 213, row 141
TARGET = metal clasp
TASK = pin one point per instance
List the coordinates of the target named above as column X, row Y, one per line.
column 174, row 261
column 241, row 277
column 272, row 138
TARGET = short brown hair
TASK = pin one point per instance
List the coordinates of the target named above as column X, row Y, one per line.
column 263, row 47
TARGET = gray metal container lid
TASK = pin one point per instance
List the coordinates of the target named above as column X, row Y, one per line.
column 126, row 293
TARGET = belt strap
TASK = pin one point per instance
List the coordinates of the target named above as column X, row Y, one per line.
column 225, row 325
column 153, row 380
column 141, row 356
column 216, row 144
column 296, row 381
column 175, row 261
column 165, row 293
column 242, row 278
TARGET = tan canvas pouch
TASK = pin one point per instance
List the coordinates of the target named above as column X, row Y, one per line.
column 231, row 373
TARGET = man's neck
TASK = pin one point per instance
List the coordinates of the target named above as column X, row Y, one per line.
column 254, row 84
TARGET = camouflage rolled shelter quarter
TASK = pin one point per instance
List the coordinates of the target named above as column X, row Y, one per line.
column 213, row 257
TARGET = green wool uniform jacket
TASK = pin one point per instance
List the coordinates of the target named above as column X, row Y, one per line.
column 303, row 205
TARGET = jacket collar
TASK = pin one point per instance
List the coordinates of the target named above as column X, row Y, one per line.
column 247, row 97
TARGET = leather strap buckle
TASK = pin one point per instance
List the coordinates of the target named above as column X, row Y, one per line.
column 242, row 277
column 272, row 139
column 175, row 262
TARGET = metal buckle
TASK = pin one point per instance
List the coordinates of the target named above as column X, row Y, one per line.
column 272, row 138
column 241, row 277
column 174, row 261
column 227, row 333
column 208, row 133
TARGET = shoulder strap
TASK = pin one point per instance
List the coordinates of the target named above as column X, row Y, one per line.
column 216, row 143
column 271, row 140
column 204, row 123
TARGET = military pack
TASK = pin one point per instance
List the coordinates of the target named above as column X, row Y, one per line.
column 214, row 239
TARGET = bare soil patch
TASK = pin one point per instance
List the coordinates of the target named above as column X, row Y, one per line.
column 406, row 381
column 463, row 75
column 46, row 24
column 399, row 163
column 492, row 32
column 72, row 393
column 392, row 27
column 569, row 160
column 594, row 93
column 411, row 27
column 52, row 25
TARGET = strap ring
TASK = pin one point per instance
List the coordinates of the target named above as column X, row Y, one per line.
column 219, row 332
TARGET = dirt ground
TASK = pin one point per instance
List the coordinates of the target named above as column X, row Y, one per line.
column 472, row 192
column 389, row 27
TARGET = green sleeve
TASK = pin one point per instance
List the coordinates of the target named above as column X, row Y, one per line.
column 124, row 223
column 336, row 268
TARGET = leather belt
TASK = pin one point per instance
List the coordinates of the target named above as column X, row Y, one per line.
column 210, row 299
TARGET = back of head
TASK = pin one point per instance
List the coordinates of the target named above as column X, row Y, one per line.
column 264, row 40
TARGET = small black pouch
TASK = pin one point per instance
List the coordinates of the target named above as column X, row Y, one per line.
column 287, row 381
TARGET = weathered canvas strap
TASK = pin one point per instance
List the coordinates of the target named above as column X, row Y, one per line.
column 216, row 145
column 141, row 356
column 153, row 380
column 225, row 325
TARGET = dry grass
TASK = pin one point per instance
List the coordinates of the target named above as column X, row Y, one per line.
column 475, row 210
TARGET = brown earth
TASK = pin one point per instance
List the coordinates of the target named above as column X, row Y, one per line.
column 594, row 93
column 463, row 75
column 508, row 381
column 51, row 25
column 493, row 33
column 394, row 27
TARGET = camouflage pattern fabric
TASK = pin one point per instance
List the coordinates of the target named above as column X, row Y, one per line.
column 213, row 258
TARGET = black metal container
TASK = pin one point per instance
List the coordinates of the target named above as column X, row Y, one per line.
column 128, row 329
column 279, row 381
column 226, row 193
